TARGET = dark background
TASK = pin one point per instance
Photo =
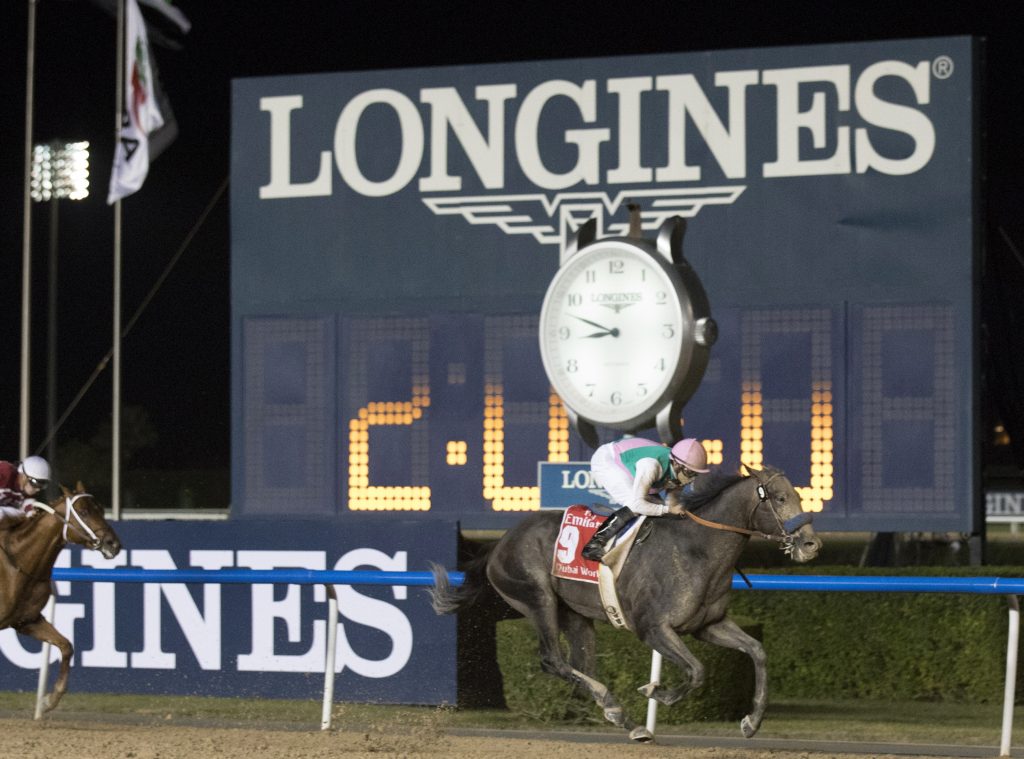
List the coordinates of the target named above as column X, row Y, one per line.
column 176, row 357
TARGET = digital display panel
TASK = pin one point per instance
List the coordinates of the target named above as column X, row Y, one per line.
column 394, row 233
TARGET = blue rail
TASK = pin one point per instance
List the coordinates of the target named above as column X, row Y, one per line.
column 251, row 576
column 848, row 583
column 883, row 584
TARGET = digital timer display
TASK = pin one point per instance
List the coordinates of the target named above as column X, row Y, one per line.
column 450, row 414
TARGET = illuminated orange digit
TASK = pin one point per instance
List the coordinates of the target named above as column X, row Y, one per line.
column 362, row 496
column 498, row 415
column 820, row 488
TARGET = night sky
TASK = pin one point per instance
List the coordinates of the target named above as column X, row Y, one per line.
column 176, row 358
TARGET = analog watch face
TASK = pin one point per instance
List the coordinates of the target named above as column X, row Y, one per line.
column 611, row 332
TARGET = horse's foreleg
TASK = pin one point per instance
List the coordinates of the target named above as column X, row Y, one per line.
column 43, row 631
column 663, row 639
column 728, row 634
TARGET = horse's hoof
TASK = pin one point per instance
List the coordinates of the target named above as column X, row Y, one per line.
column 641, row 735
column 747, row 727
column 616, row 716
column 664, row 696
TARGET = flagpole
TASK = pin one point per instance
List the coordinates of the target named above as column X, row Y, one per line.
column 26, row 240
column 115, row 415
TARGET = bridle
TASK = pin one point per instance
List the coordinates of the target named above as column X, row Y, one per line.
column 74, row 521
column 786, row 536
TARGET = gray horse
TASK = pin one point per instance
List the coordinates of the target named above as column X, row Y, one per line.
column 677, row 581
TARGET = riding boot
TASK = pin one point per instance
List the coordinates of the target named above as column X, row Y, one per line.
column 597, row 546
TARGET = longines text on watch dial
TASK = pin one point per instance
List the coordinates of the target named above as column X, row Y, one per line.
column 613, row 330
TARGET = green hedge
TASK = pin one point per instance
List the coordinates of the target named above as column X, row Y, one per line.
column 827, row 645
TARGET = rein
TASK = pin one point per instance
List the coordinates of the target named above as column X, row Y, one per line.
column 785, row 537
column 730, row 528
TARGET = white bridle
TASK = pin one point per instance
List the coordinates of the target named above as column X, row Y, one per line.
column 69, row 509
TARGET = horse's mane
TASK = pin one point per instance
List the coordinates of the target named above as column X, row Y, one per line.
column 708, row 487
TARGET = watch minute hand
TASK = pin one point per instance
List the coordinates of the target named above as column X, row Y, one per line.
column 594, row 324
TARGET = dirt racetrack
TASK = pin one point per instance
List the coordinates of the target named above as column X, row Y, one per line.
column 90, row 739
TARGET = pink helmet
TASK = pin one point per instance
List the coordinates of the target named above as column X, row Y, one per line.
column 691, row 454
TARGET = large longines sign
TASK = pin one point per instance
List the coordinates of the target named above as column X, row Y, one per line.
column 394, row 232
column 253, row 640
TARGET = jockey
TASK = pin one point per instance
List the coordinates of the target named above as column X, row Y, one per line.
column 19, row 485
column 633, row 471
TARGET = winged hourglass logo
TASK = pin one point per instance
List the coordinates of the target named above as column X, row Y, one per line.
column 551, row 220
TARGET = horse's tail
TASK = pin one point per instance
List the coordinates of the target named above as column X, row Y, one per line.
column 449, row 599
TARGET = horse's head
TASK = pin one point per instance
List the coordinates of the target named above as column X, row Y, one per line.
column 84, row 522
column 779, row 513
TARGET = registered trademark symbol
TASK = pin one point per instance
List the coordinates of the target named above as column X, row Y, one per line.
column 942, row 67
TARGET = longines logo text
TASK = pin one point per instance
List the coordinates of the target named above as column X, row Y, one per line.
column 829, row 120
column 616, row 298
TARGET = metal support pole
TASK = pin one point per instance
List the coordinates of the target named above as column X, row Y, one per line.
column 332, row 644
column 115, row 414
column 51, row 347
column 26, row 241
column 652, row 705
column 1010, row 686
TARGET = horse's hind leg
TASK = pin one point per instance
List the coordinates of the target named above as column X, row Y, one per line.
column 728, row 634
column 545, row 618
column 582, row 640
column 43, row 631
column 554, row 663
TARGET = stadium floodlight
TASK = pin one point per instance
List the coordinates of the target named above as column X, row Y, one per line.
column 60, row 170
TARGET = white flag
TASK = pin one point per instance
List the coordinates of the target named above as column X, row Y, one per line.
column 141, row 114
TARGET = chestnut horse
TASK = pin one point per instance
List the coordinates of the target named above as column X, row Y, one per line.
column 678, row 581
column 28, row 551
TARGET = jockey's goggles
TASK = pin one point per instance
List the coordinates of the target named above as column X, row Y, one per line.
column 37, row 484
column 683, row 469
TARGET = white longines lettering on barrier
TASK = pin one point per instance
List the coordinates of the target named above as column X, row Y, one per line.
column 374, row 613
column 842, row 111
column 197, row 611
column 266, row 610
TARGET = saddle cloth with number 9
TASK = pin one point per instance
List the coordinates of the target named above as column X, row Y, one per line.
column 579, row 523
column 578, row 526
